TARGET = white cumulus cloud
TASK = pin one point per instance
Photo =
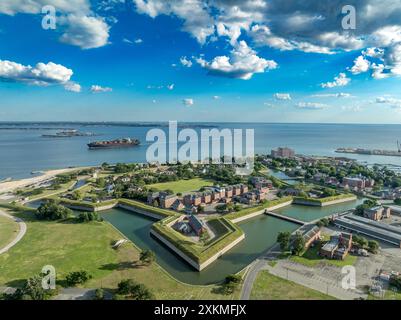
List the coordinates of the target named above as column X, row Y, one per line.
column 186, row 62
column 96, row 89
column 340, row 81
column 73, row 87
column 242, row 63
column 42, row 74
column 361, row 65
column 85, row 32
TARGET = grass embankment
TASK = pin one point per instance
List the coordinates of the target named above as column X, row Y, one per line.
column 270, row 287
column 199, row 252
column 50, row 191
column 142, row 206
column 89, row 205
column 182, row 186
column 128, row 202
column 70, row 246
column 266, row 205
column 16, row 207
column 8, row 231
column 321, row 201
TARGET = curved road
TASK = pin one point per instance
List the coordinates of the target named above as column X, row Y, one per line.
column 21, row 233
column 254, row 268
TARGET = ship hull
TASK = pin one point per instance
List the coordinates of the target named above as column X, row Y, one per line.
column 112, row 147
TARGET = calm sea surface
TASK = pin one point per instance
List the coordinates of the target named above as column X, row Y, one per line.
column 23, row 151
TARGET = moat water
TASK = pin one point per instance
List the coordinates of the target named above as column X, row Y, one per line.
column 260, row 234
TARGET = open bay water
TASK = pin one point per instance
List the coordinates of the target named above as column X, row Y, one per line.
column 23, row 149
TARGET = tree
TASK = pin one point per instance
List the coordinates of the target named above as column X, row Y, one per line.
column 231, row 283
column 50, row 210
column 88, row 216
column 323, row 222
column 135, row 290
column 101, row 182
column 77, row 277
column 395, row 281
column 77, row 195
column 32, row 289
column 299, row 244
column 373, row 246
column 124, row 286
column 329, row 192
column 141, row 292
column 99, row 294
column 147, row 257
column 283, row 239
column 361, row 241
column 367, row 204
column 397, row 201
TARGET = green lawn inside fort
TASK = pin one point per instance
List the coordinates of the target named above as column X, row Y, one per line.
column 8, row 231
column 270, row 287
column 71, row 246
column 182, row 186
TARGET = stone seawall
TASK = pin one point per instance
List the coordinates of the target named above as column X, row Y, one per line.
column 175, row 249
column 257, row 213
column 107, row 207
column 140, row 211
column 88, row 209
column 193, row 263
column 221, row 252
column 322, row 204
column 79, row 208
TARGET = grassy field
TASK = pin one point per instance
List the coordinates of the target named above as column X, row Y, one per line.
column 270, row 287
column 8, row 231
column 70, row 247
column 311, row 258
column 182, row 186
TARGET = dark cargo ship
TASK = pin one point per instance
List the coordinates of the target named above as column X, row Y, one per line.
column 119, row 143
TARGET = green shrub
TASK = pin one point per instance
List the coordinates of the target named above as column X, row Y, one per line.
column 77, row 277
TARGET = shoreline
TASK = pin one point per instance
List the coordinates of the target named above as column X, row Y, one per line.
column 10, row 186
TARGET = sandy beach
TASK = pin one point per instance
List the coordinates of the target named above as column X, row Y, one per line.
column 12, row 185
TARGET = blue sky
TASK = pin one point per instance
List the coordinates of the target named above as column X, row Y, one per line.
column 193, row 60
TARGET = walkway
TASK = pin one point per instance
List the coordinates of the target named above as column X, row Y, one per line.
column 21, row 233
column 283, row 217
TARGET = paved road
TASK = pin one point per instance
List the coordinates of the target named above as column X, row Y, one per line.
column 21, row 233
column 79, row 294
column 254, row 268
